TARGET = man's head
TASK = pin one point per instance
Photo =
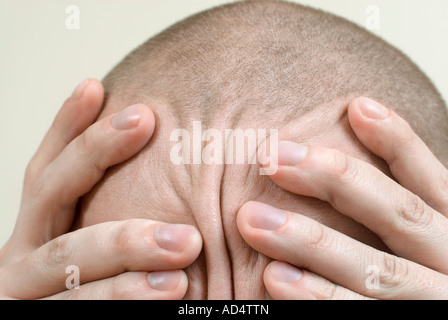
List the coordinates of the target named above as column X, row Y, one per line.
column 251, row 65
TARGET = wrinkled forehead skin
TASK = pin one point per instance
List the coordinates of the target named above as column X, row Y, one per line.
column 151, row 186
column 256, row 65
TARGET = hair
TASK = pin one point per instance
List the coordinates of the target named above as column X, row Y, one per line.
column 276, row 60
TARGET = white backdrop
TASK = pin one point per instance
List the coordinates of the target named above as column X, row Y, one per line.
column 41, row 60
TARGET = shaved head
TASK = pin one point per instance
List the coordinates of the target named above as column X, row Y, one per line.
column 252, row 64
column 269, row 59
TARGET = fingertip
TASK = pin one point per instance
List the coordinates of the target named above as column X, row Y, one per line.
column 372, row 112
column 242, row 221
column 368, row 109
column 241, row 217
column 137, row 119
column 282, row 280
column 182, row 240
column 173, row 280
column 196, row 244
column 146, row 125
column 83, row 106
column 257, row 223
column 77, row 113
column 94, row 92
column 170, row 285
column 282, row 273
column 376, row 126
column 354, row 113
column 128, row 118
column 369, row 120
column 149, row 120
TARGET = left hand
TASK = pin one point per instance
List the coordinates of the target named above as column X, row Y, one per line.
column 410, row 216
column 128, row 259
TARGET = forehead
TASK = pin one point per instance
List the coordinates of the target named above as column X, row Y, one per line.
column 151, row 186
column 327, row 126
column 195, row 181
column 160, row 188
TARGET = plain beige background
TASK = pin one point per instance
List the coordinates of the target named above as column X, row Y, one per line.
column 41, row 61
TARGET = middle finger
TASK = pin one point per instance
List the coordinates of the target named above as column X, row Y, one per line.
column 305, row 243
column 407, row 225
column 101, row 251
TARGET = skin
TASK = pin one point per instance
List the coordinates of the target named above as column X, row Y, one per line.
column 261, row 64
column 402, row 219
column 410, row 215
column 210, row 197
column 160, row 190
column 33, row 262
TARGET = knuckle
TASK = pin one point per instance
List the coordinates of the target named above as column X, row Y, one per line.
column 58, row 251
column 317, row 237
column 414, row 213
column 328, row 291
column 405, row 134
column 84, row 142
column 86, row 148
column 342, row 167
column 394, row 272
column 119, row 290
column 30, row 173
column 131, row 237
column 123, row 237
column 73, row 294
column 35, row 183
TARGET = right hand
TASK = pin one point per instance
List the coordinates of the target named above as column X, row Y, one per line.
column 130, row 259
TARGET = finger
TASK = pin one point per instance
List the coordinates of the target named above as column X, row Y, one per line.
column 307, row 244
column 162, row 285
column 411, row 162
column 286, row 282
column 76, row 114
column 99, row 252
column 357, row 189
column 78, row 168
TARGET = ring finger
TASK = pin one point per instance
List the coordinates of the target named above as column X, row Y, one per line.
column 305, row 243
column 131, row 286
column 101, row 251
column 357, row 189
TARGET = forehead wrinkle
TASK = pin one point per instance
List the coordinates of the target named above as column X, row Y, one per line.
column 318, row 127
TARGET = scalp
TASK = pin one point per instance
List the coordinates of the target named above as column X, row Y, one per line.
column 252, row 64
column 274, row 60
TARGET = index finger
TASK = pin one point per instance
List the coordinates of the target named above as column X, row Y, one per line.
column 411, row 162
column 52, row 198
column 76, row 114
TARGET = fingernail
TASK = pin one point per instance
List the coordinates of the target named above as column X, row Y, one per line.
column 291, row 153
column 127, row 118
column 263, row 216
column 284, row 272
column 165, row 280
column 174, row 237
column 78, row 92
column 372, row 109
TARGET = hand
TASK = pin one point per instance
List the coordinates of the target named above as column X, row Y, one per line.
column 312, row 261
column 132, row 259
